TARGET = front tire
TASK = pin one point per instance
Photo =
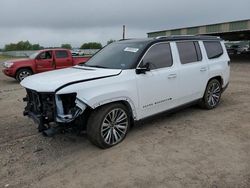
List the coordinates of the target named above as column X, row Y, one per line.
column 108, row 125
column 212, row 95
column 23, row 73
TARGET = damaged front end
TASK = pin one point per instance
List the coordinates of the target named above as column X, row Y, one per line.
column 49, row 108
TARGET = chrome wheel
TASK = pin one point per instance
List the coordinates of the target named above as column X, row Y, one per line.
column 24, row 74
column 213, row 94
column 114, row 126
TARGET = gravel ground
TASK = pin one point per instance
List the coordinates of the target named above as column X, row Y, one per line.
column 188, row 148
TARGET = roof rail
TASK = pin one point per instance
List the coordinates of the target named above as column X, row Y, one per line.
column 161, row 37
column 187, row 37
column 173, row 36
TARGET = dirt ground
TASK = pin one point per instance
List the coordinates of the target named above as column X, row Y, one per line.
column 189, row 148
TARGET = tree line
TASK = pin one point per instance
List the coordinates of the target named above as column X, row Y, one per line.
column 22, row 45
column 26, row 45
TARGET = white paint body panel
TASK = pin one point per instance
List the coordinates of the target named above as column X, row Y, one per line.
column 156, row 91
column 50, row 81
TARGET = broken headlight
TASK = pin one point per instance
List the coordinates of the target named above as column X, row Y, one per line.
column 68, row 107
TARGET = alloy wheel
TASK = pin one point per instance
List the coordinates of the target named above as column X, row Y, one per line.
column 114, row 126
column 23, row 75
column 213, row 95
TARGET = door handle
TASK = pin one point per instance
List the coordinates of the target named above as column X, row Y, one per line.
column 171, row 76
column 203, row 69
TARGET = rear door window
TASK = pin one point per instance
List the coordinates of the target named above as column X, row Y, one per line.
column 61, row 54
column 189, row 51
column 213, row 49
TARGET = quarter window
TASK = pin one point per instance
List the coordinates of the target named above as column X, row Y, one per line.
column 213, row 49
column 61, row 54
column 189, row 52
column 159, row 56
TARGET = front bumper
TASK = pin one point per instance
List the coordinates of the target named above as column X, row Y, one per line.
column 46, row 108
column 9, row 72
column 40, row 107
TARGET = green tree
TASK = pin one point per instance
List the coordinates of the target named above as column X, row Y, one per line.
column 36, row 47
column 91, row 45
column 10, row 47
column 67, row 46
column 22, row 45
column 110, row 41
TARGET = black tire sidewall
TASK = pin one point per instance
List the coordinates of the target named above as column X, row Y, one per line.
column 205, row 101
column 95, row 122
column 19, row 72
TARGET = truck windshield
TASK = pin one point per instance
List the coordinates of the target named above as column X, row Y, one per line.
column 117, row 55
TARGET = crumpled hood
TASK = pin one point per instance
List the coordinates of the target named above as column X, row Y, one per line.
column 53, row 80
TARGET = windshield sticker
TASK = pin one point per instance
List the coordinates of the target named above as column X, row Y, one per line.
column 129, row 49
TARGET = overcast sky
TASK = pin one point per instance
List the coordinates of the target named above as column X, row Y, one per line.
column 53, row 22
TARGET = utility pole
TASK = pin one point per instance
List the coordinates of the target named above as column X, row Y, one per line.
column 124, row 30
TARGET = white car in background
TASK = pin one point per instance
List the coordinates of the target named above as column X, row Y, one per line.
column 77, row 52
column 127, row 81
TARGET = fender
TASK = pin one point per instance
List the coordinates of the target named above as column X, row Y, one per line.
column 99, row 92
column 125, row 99
column 25, row 64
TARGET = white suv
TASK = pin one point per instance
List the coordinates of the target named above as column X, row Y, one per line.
column 127, row 81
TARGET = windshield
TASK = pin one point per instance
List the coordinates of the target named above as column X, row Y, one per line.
column 117, row 55
column 33, row 56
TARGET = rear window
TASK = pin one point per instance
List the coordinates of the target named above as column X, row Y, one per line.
column 189, row 52
column 61, row 54
column 213, row 49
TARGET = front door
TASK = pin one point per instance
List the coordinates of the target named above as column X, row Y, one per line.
column 158, row 87
column 44, row 62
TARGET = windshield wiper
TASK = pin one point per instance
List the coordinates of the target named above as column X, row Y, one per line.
column 96, row 66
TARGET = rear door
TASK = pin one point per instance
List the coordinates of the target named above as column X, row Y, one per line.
column 63, row 59
column 44, row 61
column 193, row 70
column 218, row 60
column 158, row 87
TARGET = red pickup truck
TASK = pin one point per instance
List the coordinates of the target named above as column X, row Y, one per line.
column 41, row 61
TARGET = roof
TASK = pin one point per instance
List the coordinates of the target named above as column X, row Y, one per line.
column 50, row 49
column 174, row 38
column 187, row 37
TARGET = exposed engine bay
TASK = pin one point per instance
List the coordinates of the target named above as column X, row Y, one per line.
column 48, row 108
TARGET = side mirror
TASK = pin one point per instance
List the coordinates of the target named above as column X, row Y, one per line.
column 143, row 69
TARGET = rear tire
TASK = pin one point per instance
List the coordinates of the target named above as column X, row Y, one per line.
column 108, row 125
column 212, row 95
column 23, row 73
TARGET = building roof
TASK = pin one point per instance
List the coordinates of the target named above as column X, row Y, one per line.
column 235, row 30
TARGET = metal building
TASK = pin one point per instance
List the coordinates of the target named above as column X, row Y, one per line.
column 232, row 31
